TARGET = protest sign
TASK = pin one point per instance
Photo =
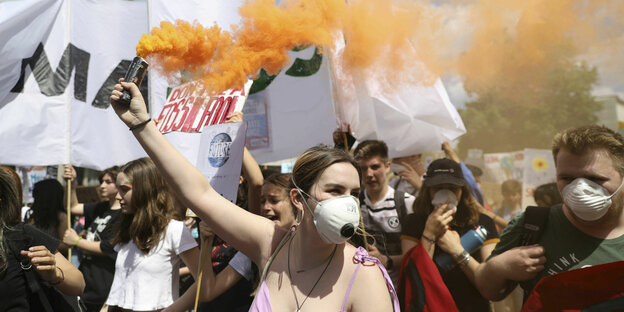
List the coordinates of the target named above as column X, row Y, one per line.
column 189, row 107
column 221, row 156
column 30, row 176
column 539, row 168
column 499, row 167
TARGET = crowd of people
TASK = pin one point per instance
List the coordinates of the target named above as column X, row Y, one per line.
column 336, row 234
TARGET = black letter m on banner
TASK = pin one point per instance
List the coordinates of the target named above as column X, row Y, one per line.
column 55, row 83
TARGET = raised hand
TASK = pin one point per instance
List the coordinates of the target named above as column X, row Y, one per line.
column 410, row 175
column 438, row 221
column 132, row 114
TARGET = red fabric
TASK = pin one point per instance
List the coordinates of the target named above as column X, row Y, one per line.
column 421, row 287
column 579, row 289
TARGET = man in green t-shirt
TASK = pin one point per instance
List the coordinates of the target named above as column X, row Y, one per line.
column 587, row 230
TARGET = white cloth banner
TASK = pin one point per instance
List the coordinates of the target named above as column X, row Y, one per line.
column 60, row 114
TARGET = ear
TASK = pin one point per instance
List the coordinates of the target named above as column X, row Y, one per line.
column 296, row 199
column 387, row 169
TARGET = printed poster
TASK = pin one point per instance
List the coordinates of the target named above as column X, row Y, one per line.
column 221, row 156
column 539, row 168
column 499, row 167
column 189, row 108
column 256, row 114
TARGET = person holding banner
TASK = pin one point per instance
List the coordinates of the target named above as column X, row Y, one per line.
column 150, row 239
column 317, row 270
column 97, row 260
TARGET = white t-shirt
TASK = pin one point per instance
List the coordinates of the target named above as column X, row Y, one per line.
column 150, row 282
column 242, row 264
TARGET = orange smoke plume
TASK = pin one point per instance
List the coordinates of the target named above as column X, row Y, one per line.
column 483, row 41
column 375, row 30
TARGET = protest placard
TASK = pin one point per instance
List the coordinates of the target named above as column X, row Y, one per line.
column 221, row 156
column 539, row 168
column 189, row 107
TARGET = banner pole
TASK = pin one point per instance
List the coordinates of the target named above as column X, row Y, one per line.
column 202, row 251
column 69, row 226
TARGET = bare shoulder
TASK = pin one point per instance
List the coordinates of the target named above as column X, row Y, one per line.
column 369, row 286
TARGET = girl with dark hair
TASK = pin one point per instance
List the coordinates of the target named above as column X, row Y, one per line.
column 150, row 239
column 316, row 270
column 48, row 210
column 97, row 259
column 42, row 252
column 443, row 211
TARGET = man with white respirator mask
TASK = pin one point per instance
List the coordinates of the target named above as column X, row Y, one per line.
column 586, row 230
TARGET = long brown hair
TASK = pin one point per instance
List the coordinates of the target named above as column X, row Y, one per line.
column 9, row 209
column 467, row 208
column 152, row 203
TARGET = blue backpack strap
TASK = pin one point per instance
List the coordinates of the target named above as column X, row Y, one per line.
column 535, row 219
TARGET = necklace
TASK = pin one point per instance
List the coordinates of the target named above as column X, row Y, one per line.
column 315, row 283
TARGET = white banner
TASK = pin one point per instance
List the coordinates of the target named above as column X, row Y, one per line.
column 60, row 79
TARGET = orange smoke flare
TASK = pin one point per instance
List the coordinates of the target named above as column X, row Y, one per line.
column 484, row 41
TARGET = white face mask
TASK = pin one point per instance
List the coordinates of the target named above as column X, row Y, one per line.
column 443, row 196
column 587, row 200
column 336, row 218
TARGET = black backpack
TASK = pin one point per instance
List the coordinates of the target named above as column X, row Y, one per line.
column 535, row 219
column 43, row 296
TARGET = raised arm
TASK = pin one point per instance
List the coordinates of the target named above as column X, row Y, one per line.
column 245, row 231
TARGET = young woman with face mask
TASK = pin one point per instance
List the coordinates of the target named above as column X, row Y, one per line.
column 307, row 268
column 443, row 211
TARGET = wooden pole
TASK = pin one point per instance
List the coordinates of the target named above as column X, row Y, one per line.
column 69, row 225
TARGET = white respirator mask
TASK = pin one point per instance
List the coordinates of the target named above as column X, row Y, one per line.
column 443, row 196
column 588, row 200
column 335, row 219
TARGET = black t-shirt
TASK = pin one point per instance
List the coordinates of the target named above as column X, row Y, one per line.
column 14, row 293
column 98, row 271
column 465, row 294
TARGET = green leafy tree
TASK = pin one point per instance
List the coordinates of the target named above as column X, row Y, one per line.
column 526, row 111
